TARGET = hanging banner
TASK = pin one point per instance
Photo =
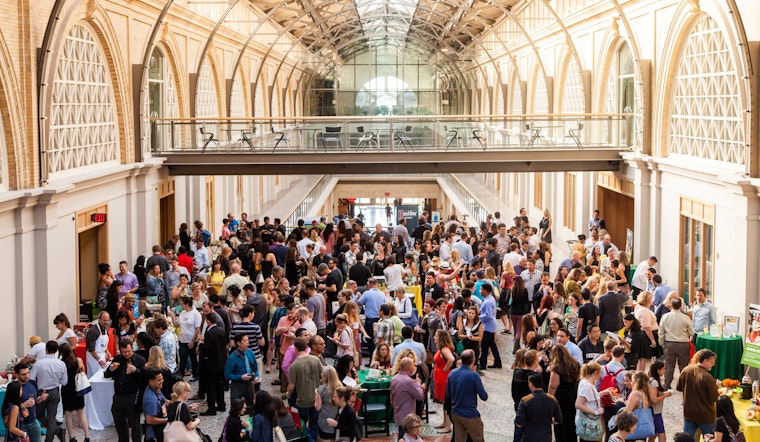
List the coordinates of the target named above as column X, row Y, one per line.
column 410, row 213
column 751, row 354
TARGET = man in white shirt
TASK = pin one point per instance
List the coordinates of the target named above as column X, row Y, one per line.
column 394, row 273
column 512, row 257
column 445, row 251
column 50, row 375
column 37, row 350
column 639, row 280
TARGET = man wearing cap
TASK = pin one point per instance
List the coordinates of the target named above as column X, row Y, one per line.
column 130, row 301
column 37, row 350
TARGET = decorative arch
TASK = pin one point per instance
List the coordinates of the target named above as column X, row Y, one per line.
column 572, row 94
column 737, row 100
column 95, row 19
column 16, row 168
column 539, row 91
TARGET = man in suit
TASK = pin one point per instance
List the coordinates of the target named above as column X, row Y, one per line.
column 213, row 356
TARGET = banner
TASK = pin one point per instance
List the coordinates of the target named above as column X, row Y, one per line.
column 411, row 213
column 751, row 354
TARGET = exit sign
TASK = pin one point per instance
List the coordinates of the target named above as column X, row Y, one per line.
column 98, row 217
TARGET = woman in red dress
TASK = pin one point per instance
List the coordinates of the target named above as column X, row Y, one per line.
column 443, row 363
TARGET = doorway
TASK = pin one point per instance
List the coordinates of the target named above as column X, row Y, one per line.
column 617, row 211
column 166, row 214
column 88, row 264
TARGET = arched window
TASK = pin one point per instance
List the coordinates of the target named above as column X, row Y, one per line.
column 540, row 95
column 3, row 157
column 619, row 94
column 573, row 97
column 706, row 119
column 206, row 99
column 83, row 126
column 162, row 100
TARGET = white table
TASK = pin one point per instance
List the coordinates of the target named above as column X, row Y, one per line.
column 97, row 404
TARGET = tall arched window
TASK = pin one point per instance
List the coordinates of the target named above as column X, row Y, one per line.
column 540, row 95
column 706, row 119
column 83, row 126
column 162, row 100
column 206, row 99
column 3, row 157
column 619, row 94
column 573, row 96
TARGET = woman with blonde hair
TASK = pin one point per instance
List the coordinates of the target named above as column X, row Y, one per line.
column 404, row 353
column 507, row 280
column 323, row 403
column 545, row 227
column 354, row 322
column 157, row 362
column 178, row 410
column 455, row 257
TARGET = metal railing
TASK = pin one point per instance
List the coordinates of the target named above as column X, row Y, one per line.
column 307, row 203
column 393, row 134
column 474, row 208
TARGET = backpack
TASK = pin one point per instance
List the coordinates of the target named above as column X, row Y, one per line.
column 206, row 237
column 608, row 381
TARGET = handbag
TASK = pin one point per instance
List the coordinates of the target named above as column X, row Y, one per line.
column 589, row 427
column 82, row 384
column 645, row 426
column 278, row 435
column 735, row 437
column 414, row 319
column 176, row 431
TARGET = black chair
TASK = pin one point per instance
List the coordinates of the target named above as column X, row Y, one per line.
column 477, row 137
column 368, row 138
column 331, row 134
column 575, row 134
column 280, row 139
column 453, row 135
column 404, row 137
column 247, row 137
column 376, row 410
column 208, row 137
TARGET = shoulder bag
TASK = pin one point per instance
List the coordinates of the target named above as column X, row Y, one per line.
column 82, row 384
column 176, row 431
column 589, row 427
column 735, row 437
column 645, row 426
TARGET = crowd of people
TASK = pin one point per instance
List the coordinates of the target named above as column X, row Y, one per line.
column 322, row 301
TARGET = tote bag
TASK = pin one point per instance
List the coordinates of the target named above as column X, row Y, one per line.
column 645, row 426
column 589, row 427
column 82, row 384
column 176, row 431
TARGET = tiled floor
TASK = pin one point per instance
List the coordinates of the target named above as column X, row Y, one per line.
column 497, row 412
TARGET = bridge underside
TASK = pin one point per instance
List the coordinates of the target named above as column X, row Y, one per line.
column 539, row 160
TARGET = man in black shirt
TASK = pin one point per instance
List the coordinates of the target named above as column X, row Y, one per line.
column 432, row 290
column 125, row 369
column 592, row 346
column 360, row 273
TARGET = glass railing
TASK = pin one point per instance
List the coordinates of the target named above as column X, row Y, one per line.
column 476, row 211
column 394, row 134
column 305, row 206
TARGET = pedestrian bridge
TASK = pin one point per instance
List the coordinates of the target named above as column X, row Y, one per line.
column 418, row 144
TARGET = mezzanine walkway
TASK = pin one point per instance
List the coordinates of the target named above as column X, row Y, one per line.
column 408, row 145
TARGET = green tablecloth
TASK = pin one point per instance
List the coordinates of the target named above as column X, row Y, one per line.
column 375, row 384
column 729, row 351
column 379, row 384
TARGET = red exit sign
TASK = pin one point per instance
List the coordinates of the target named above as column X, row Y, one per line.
column 98, row 217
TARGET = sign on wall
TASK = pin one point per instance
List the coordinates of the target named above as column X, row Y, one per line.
column 410, row 213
